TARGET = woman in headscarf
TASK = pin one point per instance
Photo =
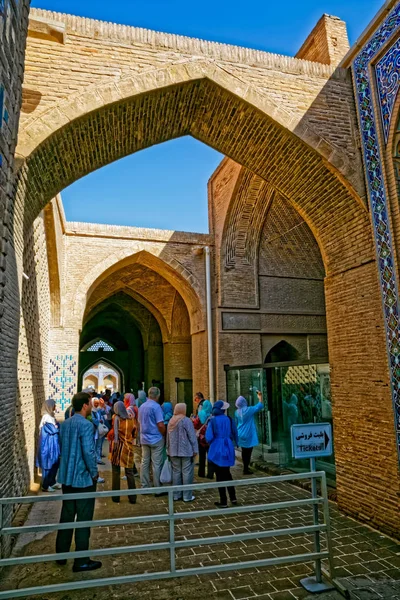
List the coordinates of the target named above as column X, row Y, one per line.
column 121, row 454
column 133, row 412
column 48, row 456
column 222, row 436
column 291, row 416
column 247, row 430
column 130, row 405
column 201, row 424
column 182, row 447
column 141, row 398
column 291, row 412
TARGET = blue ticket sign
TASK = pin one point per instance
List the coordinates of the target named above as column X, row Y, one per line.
column 311, row 440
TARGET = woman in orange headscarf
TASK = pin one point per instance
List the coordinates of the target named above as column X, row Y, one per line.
column 133, row 411
column 121, row 439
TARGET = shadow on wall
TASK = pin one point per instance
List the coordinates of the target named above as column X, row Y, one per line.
column 30, row 100
column 338, row 132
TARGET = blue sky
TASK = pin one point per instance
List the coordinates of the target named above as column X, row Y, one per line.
column 166, row 186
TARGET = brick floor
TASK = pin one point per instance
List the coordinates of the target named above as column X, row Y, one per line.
column 367, row 562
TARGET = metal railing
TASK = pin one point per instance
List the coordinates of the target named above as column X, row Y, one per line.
column 172, row 545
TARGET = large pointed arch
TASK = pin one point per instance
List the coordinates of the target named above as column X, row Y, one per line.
column 204, row 101
column 95, row 98
column 109, row 296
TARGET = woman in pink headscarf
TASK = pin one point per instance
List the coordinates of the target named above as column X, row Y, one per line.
column 130, row 405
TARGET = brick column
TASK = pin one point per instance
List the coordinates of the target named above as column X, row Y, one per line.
column 177, row 363
column 153, row 363
column 200, row 360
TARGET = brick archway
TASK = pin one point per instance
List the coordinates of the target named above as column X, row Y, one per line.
column 224, row 112
column 105, row 361
column 211, row 111
column 34, row 133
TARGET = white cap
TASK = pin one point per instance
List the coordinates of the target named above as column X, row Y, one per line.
column 88, row 391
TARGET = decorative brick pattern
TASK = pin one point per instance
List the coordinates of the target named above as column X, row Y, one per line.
column 63, row 374
column 32, row 348
column 376, row 183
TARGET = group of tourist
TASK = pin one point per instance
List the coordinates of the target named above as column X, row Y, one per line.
column 142, row 435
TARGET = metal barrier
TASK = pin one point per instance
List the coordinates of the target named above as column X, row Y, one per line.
column 172, row 544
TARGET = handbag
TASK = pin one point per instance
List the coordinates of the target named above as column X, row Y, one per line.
column 102, row 430
column 197, row 423
column 166, row 472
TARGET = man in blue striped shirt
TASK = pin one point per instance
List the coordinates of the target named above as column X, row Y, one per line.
column 77, row 473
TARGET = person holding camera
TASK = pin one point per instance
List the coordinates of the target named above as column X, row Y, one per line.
column 77, row 474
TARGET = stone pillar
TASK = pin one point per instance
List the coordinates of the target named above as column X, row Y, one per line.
column 153, row 364
column 63, row 366
column 100, row 382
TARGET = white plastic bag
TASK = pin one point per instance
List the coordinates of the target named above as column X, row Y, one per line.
column 102, row 430
column 166, row 472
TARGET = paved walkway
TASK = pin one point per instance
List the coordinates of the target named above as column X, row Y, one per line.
column 368, row 563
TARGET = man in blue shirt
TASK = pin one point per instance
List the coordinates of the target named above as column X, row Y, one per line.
column 152, row 432
column 78, row 473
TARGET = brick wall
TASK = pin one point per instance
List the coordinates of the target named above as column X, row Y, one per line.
column 13, row 25
column 327, row 43
column 32, row 352
column 312, row 98
column 367, row 472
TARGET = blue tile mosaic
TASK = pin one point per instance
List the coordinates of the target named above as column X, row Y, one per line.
column 388, row 82
column 62, row 379
column 377, row 190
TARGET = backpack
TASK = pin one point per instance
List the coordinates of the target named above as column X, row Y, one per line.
column 201, row 434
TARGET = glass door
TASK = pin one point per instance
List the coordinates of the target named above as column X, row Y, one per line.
column 246, row 383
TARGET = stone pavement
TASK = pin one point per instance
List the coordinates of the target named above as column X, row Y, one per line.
column 368, row 563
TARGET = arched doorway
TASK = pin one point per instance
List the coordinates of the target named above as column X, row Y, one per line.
column 102, row 376
column 132, row 298
column 214, row 109
column 119, row 343
column 282, row 352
